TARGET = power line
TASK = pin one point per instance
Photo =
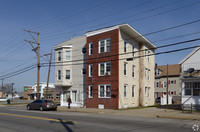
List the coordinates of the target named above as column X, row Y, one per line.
column 166, row 52
column 195, row 3
column 168, row 45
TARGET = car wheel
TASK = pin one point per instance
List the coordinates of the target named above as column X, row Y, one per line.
column 28, row 107
column 41, row 108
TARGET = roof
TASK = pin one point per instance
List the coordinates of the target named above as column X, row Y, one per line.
column 125, row 28
column 173, row 70
column 189, row 55
column 70, row 42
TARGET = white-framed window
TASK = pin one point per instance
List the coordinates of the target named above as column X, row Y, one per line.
column 90, row 70
column 164, row 84
column 67, row 74
column 148, row 94
column 68, row 55
column 105, row 45
column 90, row 48
column 157, row 84
column 104, row 68
column 133, row 90
column 59, row 56
column 147, row 91
column 104, row 91
column 90, row 91
column 133, row 50
column 133, row 71
column 125, row 68
column 59, row 75
column 74, row 96
column 125, row 90
column 148, row 74
column 148, row 57
column 125, row 47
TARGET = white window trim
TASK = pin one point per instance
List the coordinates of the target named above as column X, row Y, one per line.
column 133, row 86
column 69, row 55
column 148, row 94
column 126, row 85
column 105, row 48
column 69, row 74
column 146, row 90
column 104, row 90
column 133, row 50
column 125, row 68
column 105, row 64
column 90, row 70
column 59, row 53
column 90, row 48
column 133, row 70
column 158, row 84
column 58, row 75
column 164, row 84
column 89, row 90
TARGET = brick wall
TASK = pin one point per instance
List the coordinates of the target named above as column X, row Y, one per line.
column 113, row 79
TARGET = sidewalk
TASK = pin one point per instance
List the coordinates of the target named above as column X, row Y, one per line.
column 142, row 112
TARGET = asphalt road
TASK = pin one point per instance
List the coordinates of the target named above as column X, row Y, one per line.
column 18, row 119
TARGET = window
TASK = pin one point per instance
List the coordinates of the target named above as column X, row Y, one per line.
column 164, row 84
column 67, row 74
column 157, row 84
column 57, row 96
column 104, row 91
column 125, row 90
column 148, row 94
column 59, row 56
column 147, row 73
column 105, row 45
column 196, row 88
column 90, row 48
column 188, row 88
column 147, row 91
column 148, row 57
column 125, row 68
column 90, row 91
column 90, row 70
column 104, row 68
column 133, row 91
column 59, row 74
column 74, row 96
column 133, row 71
column 133, row 50
column 68, row 55
column 125, row 46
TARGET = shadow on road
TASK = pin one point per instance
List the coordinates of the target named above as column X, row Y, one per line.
column 65, row 124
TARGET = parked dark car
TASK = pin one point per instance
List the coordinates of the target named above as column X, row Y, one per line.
column 42, row 105
column 158, row 99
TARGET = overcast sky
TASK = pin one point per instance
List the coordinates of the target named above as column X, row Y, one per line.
column 59, row 20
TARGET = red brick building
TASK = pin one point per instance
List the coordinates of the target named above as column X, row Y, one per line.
column 107, row 70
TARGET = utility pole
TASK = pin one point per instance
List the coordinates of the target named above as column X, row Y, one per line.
column 12, row 90
column 167, row 85
column 2, row 88
column 48, row 72
column 37, row 51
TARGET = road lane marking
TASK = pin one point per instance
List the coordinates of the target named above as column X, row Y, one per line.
column 41, row 118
